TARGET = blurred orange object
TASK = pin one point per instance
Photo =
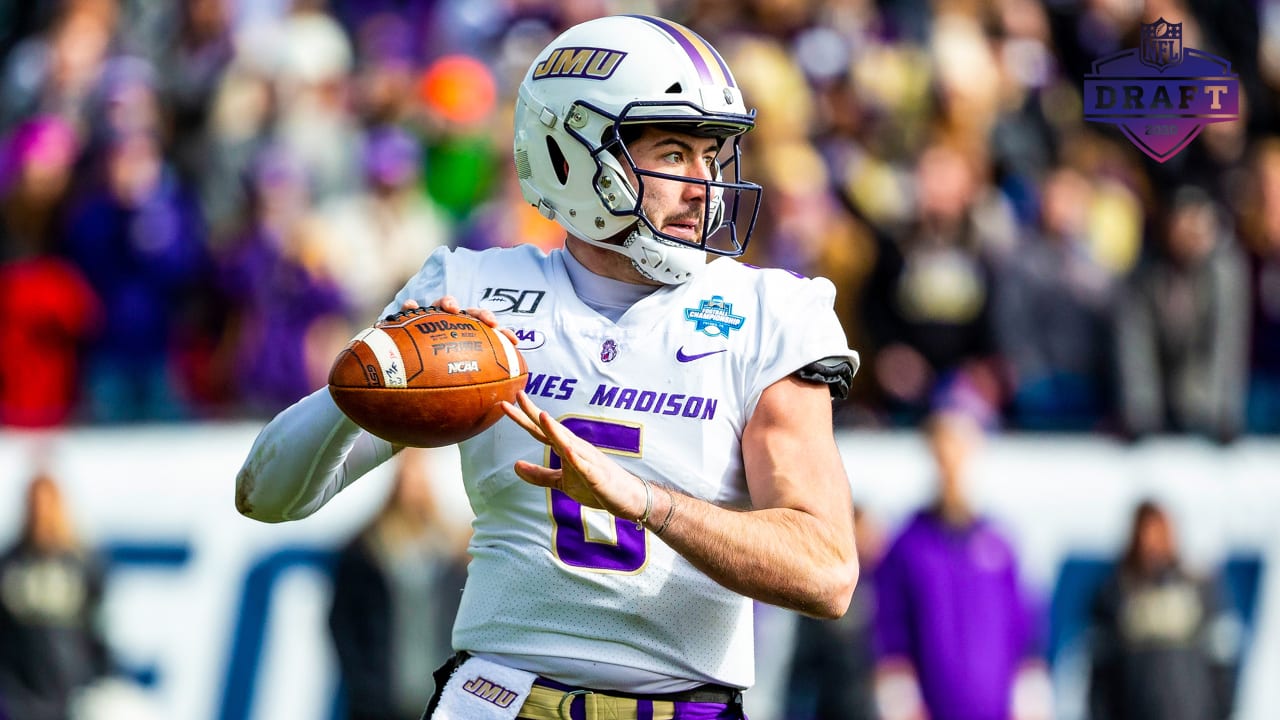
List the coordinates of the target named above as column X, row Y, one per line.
column 459, row 88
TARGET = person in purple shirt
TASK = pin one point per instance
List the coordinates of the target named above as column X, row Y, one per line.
column 953, row 629
column 286, row 314
column 138, row 237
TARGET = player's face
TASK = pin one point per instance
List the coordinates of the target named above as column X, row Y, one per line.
column 675, row 208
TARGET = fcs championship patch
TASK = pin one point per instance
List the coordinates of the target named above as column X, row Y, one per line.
column 714, row 317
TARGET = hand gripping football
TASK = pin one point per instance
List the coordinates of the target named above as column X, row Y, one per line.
column 426, row 378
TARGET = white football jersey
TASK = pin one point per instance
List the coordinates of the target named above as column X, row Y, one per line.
column 573, row 593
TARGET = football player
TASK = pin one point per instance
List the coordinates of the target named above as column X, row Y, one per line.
column 672, row 457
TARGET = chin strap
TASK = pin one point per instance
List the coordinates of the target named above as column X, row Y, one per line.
column 657, row 259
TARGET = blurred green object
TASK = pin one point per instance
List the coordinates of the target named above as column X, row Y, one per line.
column 459, row 173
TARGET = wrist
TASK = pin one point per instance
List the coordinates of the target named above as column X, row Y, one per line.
column 643, row 518
column 664, row 511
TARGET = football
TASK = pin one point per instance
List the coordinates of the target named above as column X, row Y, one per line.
column 426, row 378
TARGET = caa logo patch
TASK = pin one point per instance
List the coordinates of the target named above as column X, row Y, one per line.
column 529, row 339
column 464, row 366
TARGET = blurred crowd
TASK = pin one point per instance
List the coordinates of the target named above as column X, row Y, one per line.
column 201, row 201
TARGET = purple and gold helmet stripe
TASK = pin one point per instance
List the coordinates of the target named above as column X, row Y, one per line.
column 711, row 67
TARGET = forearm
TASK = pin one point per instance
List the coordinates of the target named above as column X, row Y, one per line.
column 781, row 556
column 302, row 458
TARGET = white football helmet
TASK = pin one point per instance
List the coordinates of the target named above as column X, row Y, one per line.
column 582, row 89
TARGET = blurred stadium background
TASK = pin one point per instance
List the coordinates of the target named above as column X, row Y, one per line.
column 180, row 181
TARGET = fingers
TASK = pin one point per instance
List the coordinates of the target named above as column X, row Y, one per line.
column 544, row 428
column 527, row 406
column 554, row 479
column 484, row 315
column 560, row 437
column 522, row 419
column 537, row 474
column 448, row 303
column 409, row 304
column 543, row 421
column 488, row 318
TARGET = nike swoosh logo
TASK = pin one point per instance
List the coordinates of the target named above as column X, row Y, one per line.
column 690, row 358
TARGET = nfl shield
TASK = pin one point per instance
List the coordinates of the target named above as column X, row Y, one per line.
column 1161, row 44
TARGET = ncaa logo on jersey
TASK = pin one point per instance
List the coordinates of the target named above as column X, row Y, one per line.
column 714, row 317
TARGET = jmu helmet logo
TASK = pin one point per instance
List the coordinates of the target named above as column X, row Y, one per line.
column 580, row 62
column 1161, row 44
column 714, row 317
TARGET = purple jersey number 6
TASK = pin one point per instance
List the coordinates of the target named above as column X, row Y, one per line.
column 569, row 532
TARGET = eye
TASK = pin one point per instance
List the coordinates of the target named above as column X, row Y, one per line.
column 674, row 157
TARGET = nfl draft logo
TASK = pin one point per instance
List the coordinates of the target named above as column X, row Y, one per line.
column 1161, row 95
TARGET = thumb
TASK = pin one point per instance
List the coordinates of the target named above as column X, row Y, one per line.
column 537, row 474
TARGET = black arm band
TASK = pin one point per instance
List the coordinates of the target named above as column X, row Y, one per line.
column 834, row 372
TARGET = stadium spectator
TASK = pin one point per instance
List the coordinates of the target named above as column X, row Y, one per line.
column 48, row 312
column 1181, row 327
column 832, row 673
column 404, row 29
column 191, row 65
column 139, row 240
column 1164, row 646
column 56, row 71
column 312, row 58
column 242, row 119
column 285, row 313
column 1051, row 312
column 375, row 239
column 954, row 628
column 385, row 68
column 1260, row 224
column 51, row 643
column 125, row 101
column 396, row 587
column 928, row 299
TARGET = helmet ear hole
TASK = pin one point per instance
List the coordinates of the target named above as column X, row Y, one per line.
column 558, row 161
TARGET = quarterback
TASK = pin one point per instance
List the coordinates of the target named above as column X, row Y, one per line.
column 672, row 457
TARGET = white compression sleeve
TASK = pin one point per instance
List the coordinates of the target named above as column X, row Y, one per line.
column 302, row 458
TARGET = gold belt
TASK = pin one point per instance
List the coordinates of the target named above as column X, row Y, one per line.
column 546, row 703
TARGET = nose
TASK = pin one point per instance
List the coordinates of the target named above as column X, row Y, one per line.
column 698, row 175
